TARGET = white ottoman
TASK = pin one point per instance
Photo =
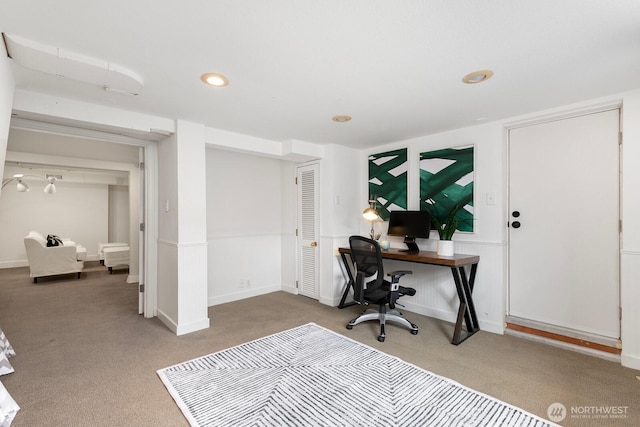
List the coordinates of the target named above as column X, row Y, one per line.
column 81, row 253
column 116, row 256
column 102, row 246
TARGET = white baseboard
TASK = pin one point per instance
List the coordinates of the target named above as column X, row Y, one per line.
column 182, row 329
column 168, row 321
column 448, row 316
column 193, row 327
column 290, row 289
column 630, row 361
column 246, row 293
column 14, row 264
column 133, row 278
column 331, row 302
column 25, row 263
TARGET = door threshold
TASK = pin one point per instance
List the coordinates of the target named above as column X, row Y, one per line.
column 564, row 340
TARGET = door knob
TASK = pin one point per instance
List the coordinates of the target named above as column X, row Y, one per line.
column 314, row 244
column 515, row 224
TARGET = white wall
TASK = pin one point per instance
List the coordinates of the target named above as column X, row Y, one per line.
column 118, row 230
column 43, row 143
column 7, row 86
column 630, row 253
column 244, row 224
column 167, row 289
column 341, row 206
column 437, row 297
column 60, row 213
column 436, row 294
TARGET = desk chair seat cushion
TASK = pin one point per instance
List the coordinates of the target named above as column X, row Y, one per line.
column 382, row 294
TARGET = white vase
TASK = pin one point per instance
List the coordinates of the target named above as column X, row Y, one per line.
column 445, row 247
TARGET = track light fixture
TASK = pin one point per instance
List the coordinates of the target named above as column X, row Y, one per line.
column 22, row 186
column 51, row 187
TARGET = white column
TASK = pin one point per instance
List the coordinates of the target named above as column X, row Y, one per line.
column 182, row 230
column 630, row 257
column 192, row 228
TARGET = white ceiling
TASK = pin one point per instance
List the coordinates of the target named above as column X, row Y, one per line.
column 395, row 66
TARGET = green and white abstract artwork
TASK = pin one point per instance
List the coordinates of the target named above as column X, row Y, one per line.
column 446, row 184
column 388, row 181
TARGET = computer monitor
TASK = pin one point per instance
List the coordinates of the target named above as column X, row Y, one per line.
column 410, row 225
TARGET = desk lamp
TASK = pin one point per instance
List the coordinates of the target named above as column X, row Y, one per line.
column 371, row 214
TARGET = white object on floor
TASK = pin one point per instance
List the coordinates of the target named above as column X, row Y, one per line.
column 8, row 407
column 269, row 381
column 50, row 261
column 116, row 256
column 103, row 246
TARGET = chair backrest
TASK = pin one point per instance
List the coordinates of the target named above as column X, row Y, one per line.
column 367, row 260
column 36, row 239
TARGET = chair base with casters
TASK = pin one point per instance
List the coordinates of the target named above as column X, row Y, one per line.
column 384, row 316
column 370, row 288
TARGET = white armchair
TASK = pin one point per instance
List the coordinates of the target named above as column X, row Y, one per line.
column 49, row 261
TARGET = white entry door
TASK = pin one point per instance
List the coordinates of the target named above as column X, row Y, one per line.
column 564, row 223
column 308, row 230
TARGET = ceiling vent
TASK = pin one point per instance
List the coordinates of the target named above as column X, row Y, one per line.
column 73, row 66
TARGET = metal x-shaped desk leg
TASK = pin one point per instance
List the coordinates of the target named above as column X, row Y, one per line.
column 349, row 285
column 467, row 309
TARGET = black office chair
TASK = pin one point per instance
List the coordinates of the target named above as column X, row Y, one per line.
column 371, row 288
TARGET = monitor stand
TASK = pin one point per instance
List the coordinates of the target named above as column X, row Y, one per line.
column 411, row 245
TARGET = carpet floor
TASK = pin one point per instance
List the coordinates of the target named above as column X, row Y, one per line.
column 84, row 357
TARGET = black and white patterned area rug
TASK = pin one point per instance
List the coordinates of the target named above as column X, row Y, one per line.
column 310, row 376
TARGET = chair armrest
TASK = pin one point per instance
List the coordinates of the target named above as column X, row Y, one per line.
column 359, row 287
column 395, row 294
column 396, row 275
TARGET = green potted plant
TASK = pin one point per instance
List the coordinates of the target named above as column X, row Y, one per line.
column 447, row 227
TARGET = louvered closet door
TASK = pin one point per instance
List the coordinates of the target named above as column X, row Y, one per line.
column 308, row 230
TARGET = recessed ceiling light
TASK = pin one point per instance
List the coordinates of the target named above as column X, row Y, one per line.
column 341, row 118
column 477, row 76
column 214, row 79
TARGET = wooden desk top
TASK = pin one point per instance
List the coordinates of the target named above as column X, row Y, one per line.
column 425, row 257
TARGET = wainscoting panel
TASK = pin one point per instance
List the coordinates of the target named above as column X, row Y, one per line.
column 168, row 284
column 630, row 295
column 436, row 294
column 244, row 266
column 192, row 276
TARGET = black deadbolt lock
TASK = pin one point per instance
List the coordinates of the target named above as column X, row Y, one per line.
column 516, row 214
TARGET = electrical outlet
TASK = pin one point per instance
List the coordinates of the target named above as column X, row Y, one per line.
column 248, row 283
